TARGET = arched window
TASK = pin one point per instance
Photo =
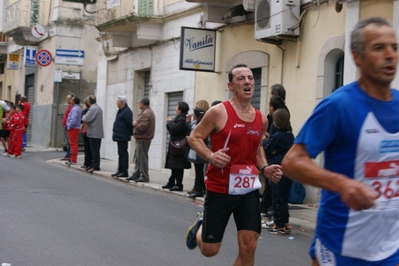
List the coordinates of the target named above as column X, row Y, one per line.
column 339, row 72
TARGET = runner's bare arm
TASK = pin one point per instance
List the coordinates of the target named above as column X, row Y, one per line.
column 298, row 165
column 213, row 121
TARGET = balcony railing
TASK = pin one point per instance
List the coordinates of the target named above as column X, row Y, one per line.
column 23, row 13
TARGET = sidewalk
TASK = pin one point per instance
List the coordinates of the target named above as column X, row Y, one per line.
column 302, row 216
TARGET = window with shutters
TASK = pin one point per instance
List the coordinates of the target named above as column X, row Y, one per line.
column 146, row 7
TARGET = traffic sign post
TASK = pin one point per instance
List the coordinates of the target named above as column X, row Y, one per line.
column 70, row 57
column 44, row 58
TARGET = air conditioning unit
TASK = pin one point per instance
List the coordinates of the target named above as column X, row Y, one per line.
column 276, row 19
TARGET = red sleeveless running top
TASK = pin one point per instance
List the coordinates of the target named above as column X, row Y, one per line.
column 243, row 139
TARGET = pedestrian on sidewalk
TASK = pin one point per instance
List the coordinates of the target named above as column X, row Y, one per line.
column 95, row 132
column 276, row 147
column 64, row 120
column 143, row 132
column 122, row 134
column 356, row 128
column 73, row 127
column 26, row 111
column 236, row 129
column 87, row 152
column 17, row 126
column 199, row 163
column 178, row 130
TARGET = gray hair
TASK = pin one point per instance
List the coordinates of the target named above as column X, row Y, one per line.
column 357, row 38
column 122, row 99
column 145, row 101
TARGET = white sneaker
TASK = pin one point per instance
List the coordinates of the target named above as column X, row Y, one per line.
column 12, row 156
column 5, row 154
column 268, row 225
column 19, row 157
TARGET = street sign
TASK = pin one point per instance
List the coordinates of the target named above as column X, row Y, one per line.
column 13, row 61
column 44, row 58
column 38, row 31
column 30, row 56
column 70, row 57
column 57, row 75
column 71, row 75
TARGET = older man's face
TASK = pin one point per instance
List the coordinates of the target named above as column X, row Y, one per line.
column 119, row 103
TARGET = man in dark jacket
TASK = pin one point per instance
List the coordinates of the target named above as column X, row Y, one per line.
column 121, row 133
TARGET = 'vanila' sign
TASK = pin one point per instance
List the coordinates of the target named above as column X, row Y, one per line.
column 197, row 49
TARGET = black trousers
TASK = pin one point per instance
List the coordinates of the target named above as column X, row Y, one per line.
column 88, row 156
column 123, row 160
column 95, row 145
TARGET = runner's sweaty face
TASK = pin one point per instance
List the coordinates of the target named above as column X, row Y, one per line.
column 243, row 83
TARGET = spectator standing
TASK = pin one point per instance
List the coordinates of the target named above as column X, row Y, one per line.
column 87, row 152
column 6, row 126
column 26, row 111
column 17, row 126
column 64, row 120
column 199, row 163
column 178, row 130
column 73, row 127
column 95, row 132
column 122, row 133
column 275, row 103
column 275, row 149
column 235, row 128
column 144, row 130
column 357, row 129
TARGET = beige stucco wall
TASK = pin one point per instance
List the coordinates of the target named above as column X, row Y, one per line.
column 371, row 8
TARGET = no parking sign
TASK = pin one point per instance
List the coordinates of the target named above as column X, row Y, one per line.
column 44, row 58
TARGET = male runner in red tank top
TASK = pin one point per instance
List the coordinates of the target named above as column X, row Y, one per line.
column 235, row 129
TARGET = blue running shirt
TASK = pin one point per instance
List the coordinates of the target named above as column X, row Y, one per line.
column 360, row 139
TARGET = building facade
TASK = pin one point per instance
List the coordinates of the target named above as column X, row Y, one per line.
column 49, row 27
column 302, row 44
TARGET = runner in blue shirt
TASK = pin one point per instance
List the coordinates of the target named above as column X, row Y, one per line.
column 357, row 128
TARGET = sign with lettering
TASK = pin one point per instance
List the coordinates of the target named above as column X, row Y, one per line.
column 197, row 49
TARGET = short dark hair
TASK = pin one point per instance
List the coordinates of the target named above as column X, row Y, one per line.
column 357, row 38
column 281, row 119
column 76, row 100
column 183, row 107
column 145, row 101
column 276, row 103
column 21, row 106
column 234, row 67
column 278, row 90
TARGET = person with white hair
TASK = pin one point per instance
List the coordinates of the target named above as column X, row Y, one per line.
column 121, row 134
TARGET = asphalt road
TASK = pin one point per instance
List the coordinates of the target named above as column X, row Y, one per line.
column 53, row 215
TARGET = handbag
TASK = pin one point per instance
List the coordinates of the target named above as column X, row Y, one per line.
column 178, row 147
column 84, row 128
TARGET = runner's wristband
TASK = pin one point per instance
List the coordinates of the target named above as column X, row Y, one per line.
column 264, row 167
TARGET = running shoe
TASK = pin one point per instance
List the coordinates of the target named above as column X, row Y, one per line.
column 11, row 155
column 277, row 230
column 18, row 157
column 191, row 234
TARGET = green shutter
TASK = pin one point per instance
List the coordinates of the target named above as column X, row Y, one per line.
column 146, row 7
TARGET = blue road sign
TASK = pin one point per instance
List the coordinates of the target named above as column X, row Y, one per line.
column 30, row 56
column 69, row 57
